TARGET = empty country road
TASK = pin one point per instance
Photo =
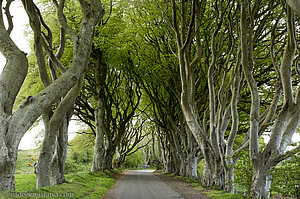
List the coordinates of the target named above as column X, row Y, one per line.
column 142, row 184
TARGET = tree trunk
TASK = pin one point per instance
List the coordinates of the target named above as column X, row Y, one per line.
column 156, row 158
column 229, row 178
column 103, row 160
column 99, row 151
column 213, row 173
column 109, row 158
column 260, row 183
column 165, row 161
column 52, row 157
column 160, row 156
column 119, row 159
column 295, row 5
column 12, row 127
column 103, row 149
column 168, row 161
column 54, row 125
column 42, row 168
column 7, row 165
column 191, row 164
column 60, row 155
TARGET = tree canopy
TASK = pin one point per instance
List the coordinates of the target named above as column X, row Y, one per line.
column 201, row 81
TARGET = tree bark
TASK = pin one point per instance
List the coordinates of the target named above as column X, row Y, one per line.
column 7, row 171
column 191, row 164
column 53, row 123
column 260, row 187
column 57, row 175
column 295, row 5
column 99, row 148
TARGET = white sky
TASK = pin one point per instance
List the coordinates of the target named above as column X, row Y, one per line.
column 20, row 21
column 32, row 136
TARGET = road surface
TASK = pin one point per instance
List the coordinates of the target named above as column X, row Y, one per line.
column 142, row 184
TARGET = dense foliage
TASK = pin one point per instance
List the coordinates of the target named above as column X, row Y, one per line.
column 286, row 177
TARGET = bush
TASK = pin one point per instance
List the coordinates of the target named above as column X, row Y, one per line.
column 134, row 160
column 286, row 177
column 200, row 168
column 72, row 167
column 243, row 172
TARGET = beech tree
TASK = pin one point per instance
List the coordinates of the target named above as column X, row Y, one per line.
column 185, row 20
column 287, row 120
column 136, row 131
column 108, row 104
column 17, row 122
column 118, row 97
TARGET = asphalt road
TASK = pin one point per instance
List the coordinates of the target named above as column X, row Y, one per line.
column 142, row 184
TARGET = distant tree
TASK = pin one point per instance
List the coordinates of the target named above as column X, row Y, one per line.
column 82, row 146
column 133, row 140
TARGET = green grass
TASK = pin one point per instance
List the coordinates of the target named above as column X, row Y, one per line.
column 223, row 195
column 25, row 161
column 86, row 185
column 25, row 182
column 216, row 194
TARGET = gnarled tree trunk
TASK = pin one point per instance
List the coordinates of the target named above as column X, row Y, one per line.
column 54, row 122
column 99, row 147
column 287, row 120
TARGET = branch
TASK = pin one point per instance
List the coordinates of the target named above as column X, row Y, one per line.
column 53, row 58
column 47, row 43
column 63, row 20
column 190, row 29
column 139, row 148
column 8, row 16
column 288, row 58
column 67, row 102
column 255, row 104
column 287, row 154
column 35, row 23
column 110, row 11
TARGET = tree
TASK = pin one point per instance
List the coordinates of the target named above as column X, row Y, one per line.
column 82, row 146
column 132, row 141
column 287, row 120
column 185, row 22
column 112, row 101
column 16, row 123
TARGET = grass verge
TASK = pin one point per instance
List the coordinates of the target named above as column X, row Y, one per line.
column 85, row 185
column 216, row 194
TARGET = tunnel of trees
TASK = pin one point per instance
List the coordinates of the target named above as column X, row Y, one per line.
column 193, row 86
